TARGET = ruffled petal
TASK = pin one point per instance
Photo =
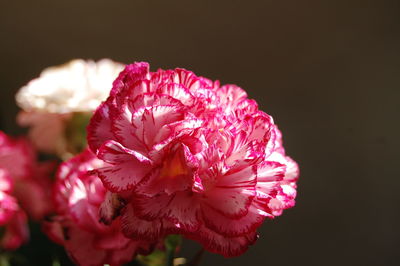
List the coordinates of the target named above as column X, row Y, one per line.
column 111, row 240
column 125, row 132
column 99, row 128
column 6, row 182
column 181, row 208
column 125, row 169
column 148, row 123
column 230, row 95
column 131, row 73
column 16, row 232
column 139, row 229
column 179, row 92
column 226, row 246
column 153, row 99
column 8, row 208
column 79, row 244
column 177, row 173
column 234, row 227
column 232, row 193
column 269, row 175
column 79, row 207
column 125, row 255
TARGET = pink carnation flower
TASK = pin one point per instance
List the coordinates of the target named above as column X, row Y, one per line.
column 32, row 183
column 24, row 189
column 12, row 218
column 78, row 195
column 189, row 156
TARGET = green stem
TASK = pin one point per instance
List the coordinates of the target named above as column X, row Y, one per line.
column 172, row 243
column 170, row 257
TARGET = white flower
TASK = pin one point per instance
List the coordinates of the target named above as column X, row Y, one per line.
column 61, row 93
column 77, row 86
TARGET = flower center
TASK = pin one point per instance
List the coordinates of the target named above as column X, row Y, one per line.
column 174, row 166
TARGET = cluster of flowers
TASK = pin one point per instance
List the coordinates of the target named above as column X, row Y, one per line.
column 25, row 187
column 168, row 153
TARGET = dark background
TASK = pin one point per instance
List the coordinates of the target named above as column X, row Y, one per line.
column 327, row 71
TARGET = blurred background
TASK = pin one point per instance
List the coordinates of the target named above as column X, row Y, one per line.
column 327, row 71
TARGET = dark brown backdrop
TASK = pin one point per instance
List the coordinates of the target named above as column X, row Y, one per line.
column 328, row 72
